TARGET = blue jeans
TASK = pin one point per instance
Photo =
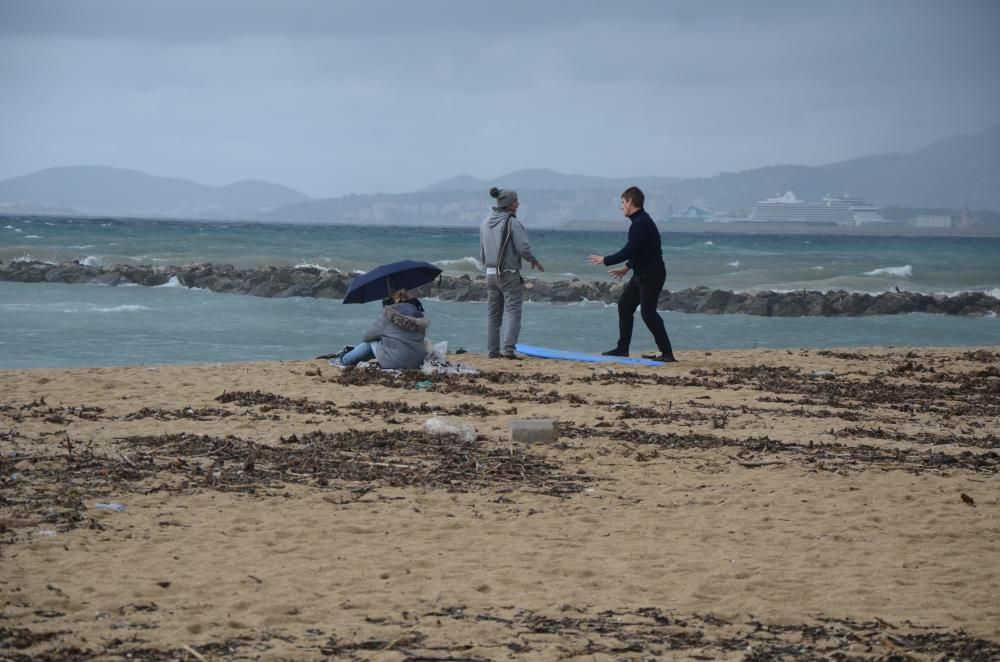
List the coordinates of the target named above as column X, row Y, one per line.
column 363, row 352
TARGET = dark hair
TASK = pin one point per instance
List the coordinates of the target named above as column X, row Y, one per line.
column 634, row 195
column 494, row 192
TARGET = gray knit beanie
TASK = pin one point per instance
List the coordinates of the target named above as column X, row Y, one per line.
column 505, row 197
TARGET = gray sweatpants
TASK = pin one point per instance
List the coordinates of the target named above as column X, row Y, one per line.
column 504, row 293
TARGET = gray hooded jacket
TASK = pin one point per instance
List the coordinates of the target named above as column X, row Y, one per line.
column 400, row 329
column 495, row 233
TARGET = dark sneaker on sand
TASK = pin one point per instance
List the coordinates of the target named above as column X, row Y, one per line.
column 336, row 355
column 615, row 352
column 666, row 358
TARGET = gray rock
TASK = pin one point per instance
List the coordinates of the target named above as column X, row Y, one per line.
column 312, row 282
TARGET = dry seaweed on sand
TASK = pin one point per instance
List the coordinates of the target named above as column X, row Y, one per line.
column 947, row 393
column 989, row 440
column 450, row 633
column 51, row 489
column 58, row 485
column 199, row 414
column 652, row 631
column 386, row 408
column 271, row 401
column 268, row 401
column 388, row 457
column 825, row 456
column 462, row 384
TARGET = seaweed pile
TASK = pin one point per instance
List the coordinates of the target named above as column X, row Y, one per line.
column 574, row 631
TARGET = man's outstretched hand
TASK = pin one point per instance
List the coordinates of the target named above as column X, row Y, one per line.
column 596, row 259
column 619, row 272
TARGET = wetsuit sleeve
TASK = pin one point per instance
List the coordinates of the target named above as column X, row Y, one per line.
column 627, row 252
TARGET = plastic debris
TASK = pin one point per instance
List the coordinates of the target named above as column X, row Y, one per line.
column 447, row 425
column 116, row 507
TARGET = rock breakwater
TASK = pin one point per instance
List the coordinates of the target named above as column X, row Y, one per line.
column 279, row 282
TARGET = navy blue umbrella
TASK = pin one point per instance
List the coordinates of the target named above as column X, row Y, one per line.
column 381, row 281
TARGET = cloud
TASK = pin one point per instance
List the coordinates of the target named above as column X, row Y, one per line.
column 337, row 97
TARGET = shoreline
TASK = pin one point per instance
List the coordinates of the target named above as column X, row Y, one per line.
column 835, row 501
column 609, row 226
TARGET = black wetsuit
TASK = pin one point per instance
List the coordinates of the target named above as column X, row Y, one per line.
column 642, row 253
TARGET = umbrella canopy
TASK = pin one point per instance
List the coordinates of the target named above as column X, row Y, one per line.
column 381, row 281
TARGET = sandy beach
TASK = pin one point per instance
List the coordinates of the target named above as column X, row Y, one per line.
column 738, row 505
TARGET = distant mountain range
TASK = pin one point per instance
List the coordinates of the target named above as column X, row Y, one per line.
column 949, row 173
column 106, row 191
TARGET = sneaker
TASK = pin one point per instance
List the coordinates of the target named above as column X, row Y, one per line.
column 513, row 357
column 494, row 355
column 615, row 352
column 337, row 363
column 336, row 355
column 665, row 358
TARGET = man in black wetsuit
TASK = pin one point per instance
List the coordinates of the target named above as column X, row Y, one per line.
column 642, row 254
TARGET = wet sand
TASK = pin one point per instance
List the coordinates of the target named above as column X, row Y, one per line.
column 739, row 504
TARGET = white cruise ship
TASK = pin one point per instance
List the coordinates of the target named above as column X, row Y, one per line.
column 845, row 211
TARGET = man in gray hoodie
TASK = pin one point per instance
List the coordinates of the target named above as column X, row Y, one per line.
column 503, row 241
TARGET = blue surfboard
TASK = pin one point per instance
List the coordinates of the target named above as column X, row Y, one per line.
column 563, row 355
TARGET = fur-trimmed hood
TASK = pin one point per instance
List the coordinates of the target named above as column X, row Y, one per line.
column 407, row 317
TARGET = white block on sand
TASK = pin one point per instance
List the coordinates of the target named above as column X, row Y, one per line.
column 533, row 430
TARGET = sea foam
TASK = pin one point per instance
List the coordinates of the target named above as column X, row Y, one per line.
column 27, row 257
column 904, row 271
column 119, row 309
column 465, row 260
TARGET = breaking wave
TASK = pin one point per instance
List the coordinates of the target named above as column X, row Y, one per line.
column 904, row 271
column 467, row 260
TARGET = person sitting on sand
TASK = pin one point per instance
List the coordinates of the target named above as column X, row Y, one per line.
column 395, row 339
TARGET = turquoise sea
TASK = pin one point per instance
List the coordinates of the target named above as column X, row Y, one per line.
column 54, row 325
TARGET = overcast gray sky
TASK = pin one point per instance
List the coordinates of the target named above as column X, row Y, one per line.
column 335, row 97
